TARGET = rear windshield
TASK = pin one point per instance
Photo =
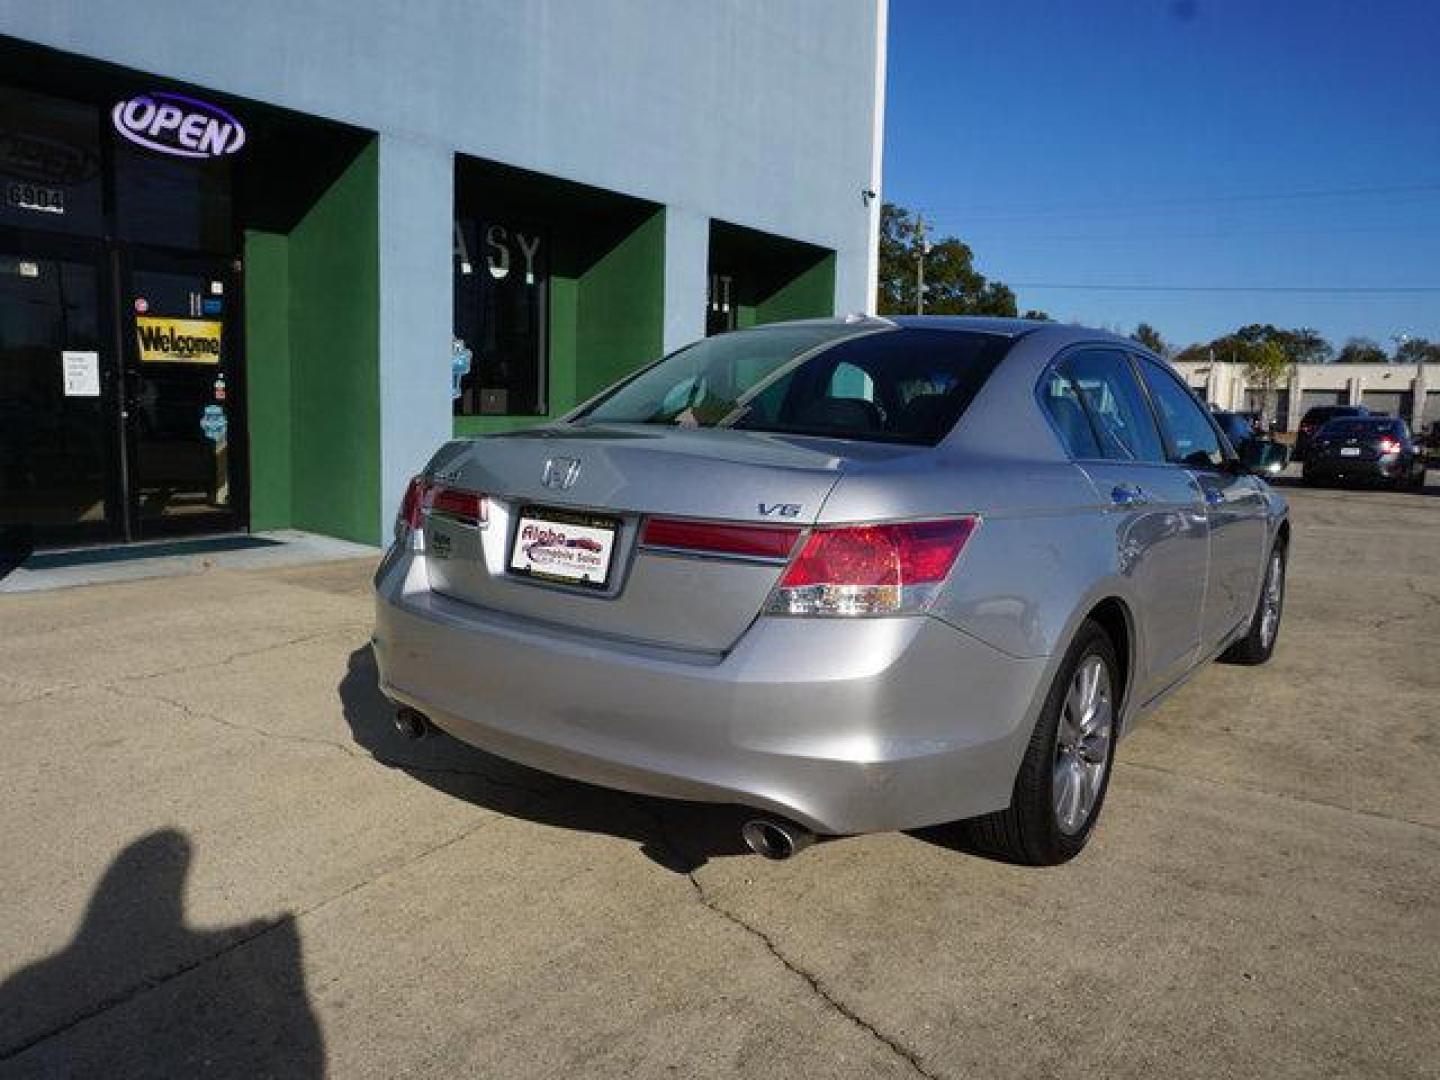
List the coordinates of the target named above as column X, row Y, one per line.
column 1362, row 426
column 906, row 385
column 1324, row 412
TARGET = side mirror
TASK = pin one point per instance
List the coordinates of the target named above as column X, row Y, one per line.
column 1264, row 457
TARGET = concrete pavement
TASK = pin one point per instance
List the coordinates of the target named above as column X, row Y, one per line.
column 219, row 859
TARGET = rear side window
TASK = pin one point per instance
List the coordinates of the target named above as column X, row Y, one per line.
column 1360, row 426
column 1192, row 436
column 1118, row 411
column 1062, row 401
column 907, row 385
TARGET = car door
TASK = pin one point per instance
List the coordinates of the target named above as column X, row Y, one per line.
column 1155, row 509
column 1235, row 506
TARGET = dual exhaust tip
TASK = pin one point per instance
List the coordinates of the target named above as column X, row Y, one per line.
column 770, row 838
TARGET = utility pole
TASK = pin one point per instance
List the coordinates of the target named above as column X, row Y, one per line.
column 1418, row 388
column 921, row 250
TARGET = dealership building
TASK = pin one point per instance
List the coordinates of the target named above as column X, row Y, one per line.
column 258, row 260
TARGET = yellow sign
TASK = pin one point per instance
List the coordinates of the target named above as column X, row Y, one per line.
column 178, row 341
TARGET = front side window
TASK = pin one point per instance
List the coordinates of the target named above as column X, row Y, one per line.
column 1192, row 436
column 832, row 380
column 1116, row 405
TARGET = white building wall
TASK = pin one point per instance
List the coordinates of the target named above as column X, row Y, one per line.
column 762, row 114
column 1225, row 384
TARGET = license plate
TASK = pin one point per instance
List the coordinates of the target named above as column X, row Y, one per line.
column 564, row 546
column 1349, row 451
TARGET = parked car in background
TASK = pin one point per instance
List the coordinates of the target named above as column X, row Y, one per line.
column 1316, row 418
column 1430, row 442
column 856, row 574
column 1261, row 455
column 1365, row 448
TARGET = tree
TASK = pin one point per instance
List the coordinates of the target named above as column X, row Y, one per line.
column 1417, row 349
column 1308, row 347
column 1303, row 346
column 1267, row 365
column 1148, row 336
column 952, row 284
column 1037, row 315
column 1361, row 350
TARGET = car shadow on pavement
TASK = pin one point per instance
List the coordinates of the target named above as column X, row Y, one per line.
column 679, row 836
column 250, row 1018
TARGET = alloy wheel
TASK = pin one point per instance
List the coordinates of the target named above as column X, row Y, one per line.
column 1082, row 745
column 1272, row 599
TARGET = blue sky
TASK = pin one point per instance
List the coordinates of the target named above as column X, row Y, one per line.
column 1264, row 145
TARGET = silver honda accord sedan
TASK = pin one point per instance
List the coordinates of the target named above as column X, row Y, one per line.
column 856, row 574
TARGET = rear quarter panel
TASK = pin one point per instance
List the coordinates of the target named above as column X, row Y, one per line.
column 1043, row 554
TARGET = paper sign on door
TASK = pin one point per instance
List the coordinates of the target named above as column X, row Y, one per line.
column 82, row 373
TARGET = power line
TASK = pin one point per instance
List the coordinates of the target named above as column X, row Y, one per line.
column 1368, row 290
column 1427, row 187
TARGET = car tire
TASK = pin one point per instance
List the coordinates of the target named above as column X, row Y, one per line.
column 1258, row 644
column 1069, row 746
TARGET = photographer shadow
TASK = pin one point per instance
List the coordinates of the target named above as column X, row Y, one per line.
column 74, row 1012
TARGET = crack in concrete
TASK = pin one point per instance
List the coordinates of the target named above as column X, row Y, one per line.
column 193, row 713
column 347, row 749
column 1285, row 796
column 242, row 654
column 290, row 918
column 816, row 986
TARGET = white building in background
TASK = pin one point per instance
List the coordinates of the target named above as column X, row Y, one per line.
column 1409, row 391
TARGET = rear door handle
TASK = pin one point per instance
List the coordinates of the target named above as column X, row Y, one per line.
column 1128, row 495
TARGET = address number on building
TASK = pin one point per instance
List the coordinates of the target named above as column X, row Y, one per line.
column 44, row 200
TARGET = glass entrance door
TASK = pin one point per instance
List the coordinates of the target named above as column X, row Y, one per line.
column 59, row 481
column 182, row 416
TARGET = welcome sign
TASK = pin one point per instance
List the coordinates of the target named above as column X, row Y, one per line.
column 178, row 341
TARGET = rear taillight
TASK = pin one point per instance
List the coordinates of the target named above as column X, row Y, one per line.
column 890, row 569
column 423, row 495
column 720, row 538
column 1389, row 445
column 412, row 506
column 466, row 507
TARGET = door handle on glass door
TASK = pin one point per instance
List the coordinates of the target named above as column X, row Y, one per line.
column 1128, row 495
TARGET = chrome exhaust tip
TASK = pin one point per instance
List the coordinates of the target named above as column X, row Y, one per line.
column 411, row 723
column 775, row 839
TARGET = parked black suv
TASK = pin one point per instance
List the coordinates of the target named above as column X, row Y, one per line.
column 1316, row 418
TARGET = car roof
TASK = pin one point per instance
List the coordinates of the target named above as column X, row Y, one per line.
column 975, row 324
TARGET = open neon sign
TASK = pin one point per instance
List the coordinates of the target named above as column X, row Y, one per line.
column 178, row 125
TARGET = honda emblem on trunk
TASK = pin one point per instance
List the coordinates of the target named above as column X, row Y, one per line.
column 561, row 473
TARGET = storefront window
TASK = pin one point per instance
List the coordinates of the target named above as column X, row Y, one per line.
column 502, row 276
column 174, row 202
column 50, row 172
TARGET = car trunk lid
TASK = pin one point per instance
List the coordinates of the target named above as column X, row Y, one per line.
column 596, row 487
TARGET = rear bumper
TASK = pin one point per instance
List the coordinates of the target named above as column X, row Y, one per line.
column 1355, row 469
column 844, row 726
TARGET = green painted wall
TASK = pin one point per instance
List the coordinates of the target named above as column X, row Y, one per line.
column 605, row 321
column 620, row 320
column 334, row 318
column 267, row 377
column 808, row 295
